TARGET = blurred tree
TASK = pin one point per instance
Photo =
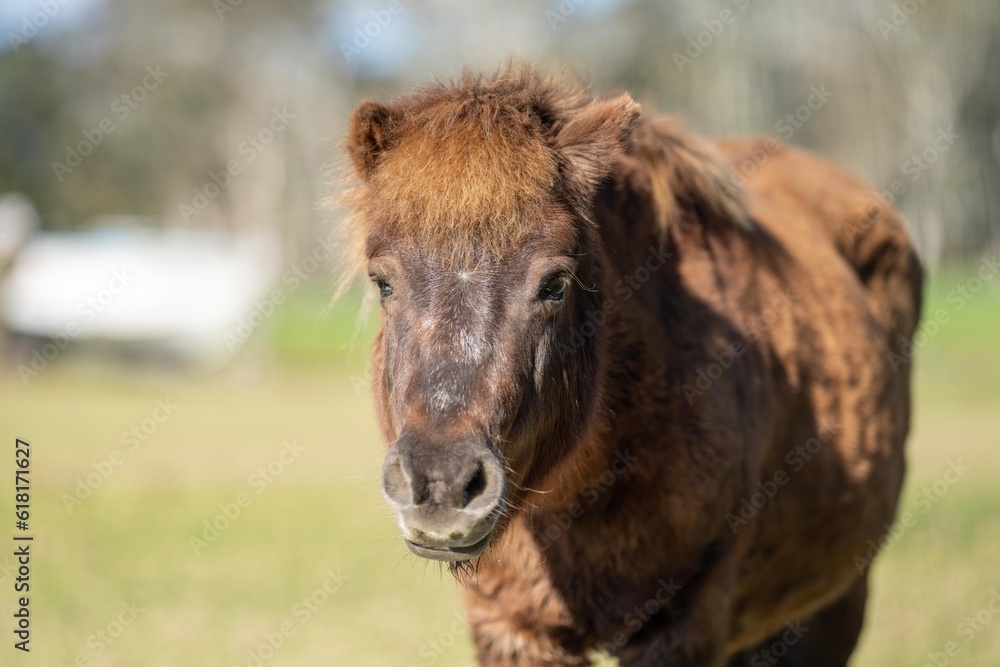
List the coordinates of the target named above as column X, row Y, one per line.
column 898, row 72
column 32, row 103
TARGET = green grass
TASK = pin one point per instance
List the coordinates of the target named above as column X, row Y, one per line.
column 130, row 540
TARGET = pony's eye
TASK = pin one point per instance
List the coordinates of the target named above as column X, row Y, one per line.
column 553, row 289
column 384, row 288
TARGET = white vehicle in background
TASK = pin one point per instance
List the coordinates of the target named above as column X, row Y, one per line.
column 178, row 294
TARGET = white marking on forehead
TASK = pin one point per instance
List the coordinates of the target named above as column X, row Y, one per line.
column 471, row 348
column 443, row 401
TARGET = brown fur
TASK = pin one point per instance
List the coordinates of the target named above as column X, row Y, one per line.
column 490, row 186
column 673, row 264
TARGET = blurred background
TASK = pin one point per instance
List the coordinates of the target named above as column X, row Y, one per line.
column 205, row 462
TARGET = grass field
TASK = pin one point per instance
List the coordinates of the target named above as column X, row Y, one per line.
column 311, row 571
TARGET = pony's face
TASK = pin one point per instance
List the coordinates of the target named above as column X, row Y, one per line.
column 468, row 358
column 478, row 242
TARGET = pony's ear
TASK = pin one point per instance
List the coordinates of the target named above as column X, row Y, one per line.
column 370, row 134
column 593, row 139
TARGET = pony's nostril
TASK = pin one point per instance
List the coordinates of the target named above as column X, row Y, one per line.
column 396, row 483
column 475, row 486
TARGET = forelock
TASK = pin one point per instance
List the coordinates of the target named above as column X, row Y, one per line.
column 471, row 160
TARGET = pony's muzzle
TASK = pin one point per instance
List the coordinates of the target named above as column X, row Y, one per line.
column 447, row 497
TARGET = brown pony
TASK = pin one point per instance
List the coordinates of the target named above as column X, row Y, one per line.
column 639, row 387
